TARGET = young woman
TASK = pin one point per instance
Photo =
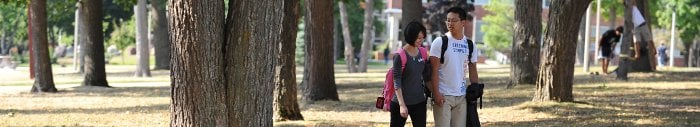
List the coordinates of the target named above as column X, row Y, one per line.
column 410, row 99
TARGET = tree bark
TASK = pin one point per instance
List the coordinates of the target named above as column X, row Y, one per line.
column 526, row 46
column 412, row 10
column 160, row 35
column 251, row 48
column 319, row 79
column 286, row 104
column 93, row 46
column 556, row 71
column 198, row 89
column 142, row 53
column 349, row 50
column 43, row 75
column 626, row 55
column 367, row 36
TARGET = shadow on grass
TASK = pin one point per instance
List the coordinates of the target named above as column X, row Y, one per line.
column 132, row 109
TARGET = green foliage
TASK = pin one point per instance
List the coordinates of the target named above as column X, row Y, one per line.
column 124, row 35
column 13, row 21
column 606, row 6
column 687, row 17
column 356, row 19
column 498, row 28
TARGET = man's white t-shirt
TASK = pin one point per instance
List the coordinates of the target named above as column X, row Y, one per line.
column 452, row 81
column 637, row 17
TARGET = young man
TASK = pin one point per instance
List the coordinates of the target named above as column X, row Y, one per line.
column 449, row 85
column 642, row 34
column 606, row 46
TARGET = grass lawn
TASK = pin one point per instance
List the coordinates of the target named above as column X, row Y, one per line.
column 665, row 98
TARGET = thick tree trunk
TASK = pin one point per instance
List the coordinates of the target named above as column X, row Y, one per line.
column 43, row 75
column 526, row 46
column 319, row 78
column 412, row 10
column 93, row 46
column 160, row 39
column 626, row 55
column 286, row 104
column 251, row 55
column 198, row 85
column 142, row 53
column 349, row 50
column 556, row 71
column 367, row 36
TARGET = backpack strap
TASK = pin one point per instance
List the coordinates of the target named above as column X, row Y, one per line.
column 471, row 50
column 423, row 53
column 402, row 55
column 443, row 48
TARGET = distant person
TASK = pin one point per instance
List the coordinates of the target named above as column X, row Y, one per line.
column 606, row 46
column 409, row 77
column 386, row 56
column 662, row 55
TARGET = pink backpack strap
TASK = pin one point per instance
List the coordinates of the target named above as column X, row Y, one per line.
column 423, row 53
column 402, row 55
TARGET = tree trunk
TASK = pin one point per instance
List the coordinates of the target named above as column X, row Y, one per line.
column 526, row 46
column 319, row 78
column 198, row 89
column 93, row 48
column 286, row 104
column 43, row 75
column 556, row 71
column 142, row 53
column 626, row 55
column 160, row 35
column 251, row 48
column 349, row 50
column 613, row 16
column 367, row 36
column 412, row 11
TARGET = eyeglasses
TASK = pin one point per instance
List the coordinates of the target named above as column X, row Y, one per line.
column 452, row 20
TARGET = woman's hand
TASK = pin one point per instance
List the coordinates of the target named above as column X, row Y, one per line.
column 404, row 111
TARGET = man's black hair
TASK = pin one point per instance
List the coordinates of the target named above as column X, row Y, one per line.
column 411, row 31
column 619, row 29
column 462, row 14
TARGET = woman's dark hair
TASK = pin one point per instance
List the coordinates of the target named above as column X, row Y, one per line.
column 411, row 31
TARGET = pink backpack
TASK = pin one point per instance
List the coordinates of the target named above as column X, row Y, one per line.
column 384, row 101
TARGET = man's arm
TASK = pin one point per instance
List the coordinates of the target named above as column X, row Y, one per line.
column 473, row 75
column 435, row 65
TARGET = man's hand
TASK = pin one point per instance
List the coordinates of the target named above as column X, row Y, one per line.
column 438, row 99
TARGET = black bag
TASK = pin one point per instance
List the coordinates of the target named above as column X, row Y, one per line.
column 472, row 115
column 474, row 91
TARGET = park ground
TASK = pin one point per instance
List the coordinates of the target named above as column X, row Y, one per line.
column 670, row 97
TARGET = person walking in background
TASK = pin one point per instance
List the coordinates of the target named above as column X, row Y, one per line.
column 606, row 46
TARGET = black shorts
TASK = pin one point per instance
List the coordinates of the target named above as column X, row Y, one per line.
column 607, row 52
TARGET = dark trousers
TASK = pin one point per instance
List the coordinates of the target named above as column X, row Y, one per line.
column 472, row 115
column 417, row 113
